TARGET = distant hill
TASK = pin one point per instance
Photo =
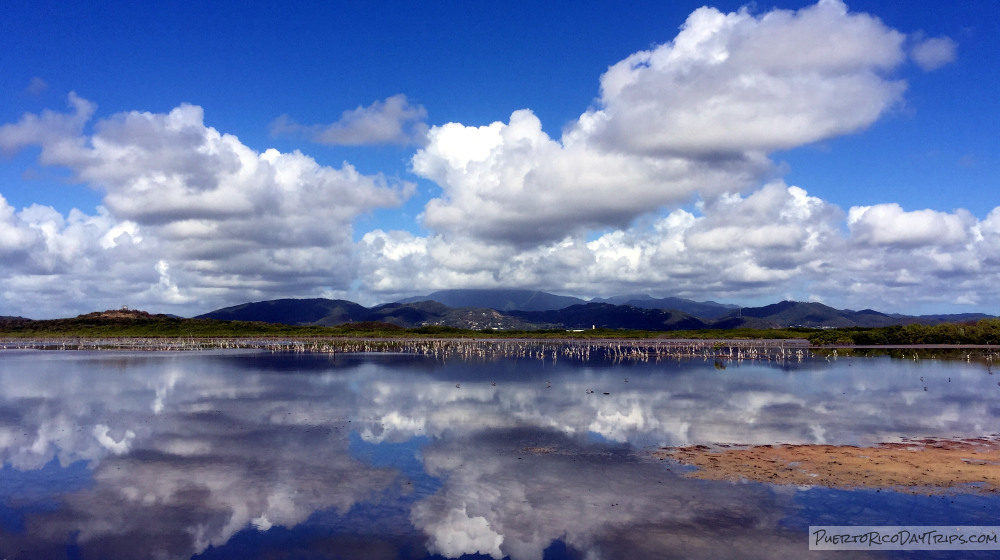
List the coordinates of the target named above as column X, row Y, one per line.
column 943, row 318
column 648, row 316
column 805, row 314
column 533, row 300
column 424, row 313
column 331, row 312
column 416, row 313
column 700, row 309
column 501, row 300
column 609, row 316
column 318, row 311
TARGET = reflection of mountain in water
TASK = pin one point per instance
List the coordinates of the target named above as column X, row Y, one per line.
column 207, row 452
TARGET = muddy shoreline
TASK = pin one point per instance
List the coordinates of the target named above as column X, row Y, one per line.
column 924, row 466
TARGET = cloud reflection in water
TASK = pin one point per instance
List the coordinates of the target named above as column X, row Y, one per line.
column 187, row 450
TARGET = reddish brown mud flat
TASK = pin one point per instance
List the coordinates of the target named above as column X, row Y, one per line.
column 926, row 466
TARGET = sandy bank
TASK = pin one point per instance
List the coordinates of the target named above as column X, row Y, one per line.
column 922, row 466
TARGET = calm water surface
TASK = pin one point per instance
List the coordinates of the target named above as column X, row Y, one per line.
column 243, row 454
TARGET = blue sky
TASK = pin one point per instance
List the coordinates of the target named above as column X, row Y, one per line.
column 837, row 153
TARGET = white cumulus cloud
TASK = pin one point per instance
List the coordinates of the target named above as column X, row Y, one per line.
column 931, row 54
column 889, row 224
column 732, row 83
column 391, row 121
column 458, row 534
column 694, row 117
column 511, row 182
column 230, row 223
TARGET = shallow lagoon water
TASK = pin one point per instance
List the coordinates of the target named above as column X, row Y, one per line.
column 247, row 454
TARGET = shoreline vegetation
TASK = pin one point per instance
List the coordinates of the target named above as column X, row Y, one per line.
column 139, row 330
column 120, row 324
column 132, row 323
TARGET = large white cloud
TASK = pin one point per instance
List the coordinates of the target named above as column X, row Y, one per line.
column 692, row 117
column 513, row 183
column 889, row 224
column 732, row 83
column 221, row 217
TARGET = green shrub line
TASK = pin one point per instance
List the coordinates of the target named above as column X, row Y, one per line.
column 96, row 325
column 981, row 333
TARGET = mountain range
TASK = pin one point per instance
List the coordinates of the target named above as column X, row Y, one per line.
column 532, row 310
